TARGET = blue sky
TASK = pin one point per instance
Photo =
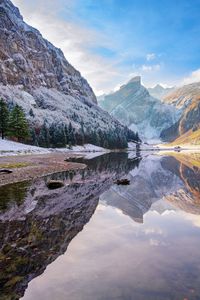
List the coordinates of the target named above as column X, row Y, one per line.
column 110, row 41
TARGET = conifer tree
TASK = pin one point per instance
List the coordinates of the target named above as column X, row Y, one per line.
column 137, row 137
column 72, row 139
column 18, row 125
column 34, row 137
column 4, row 117
column 82, row 133
column 44, row 136
column 66, row 134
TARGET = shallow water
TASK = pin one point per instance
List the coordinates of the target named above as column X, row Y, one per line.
column 93, row 239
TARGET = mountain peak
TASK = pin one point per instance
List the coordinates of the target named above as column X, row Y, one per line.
column 135, row 79
column 158, row 86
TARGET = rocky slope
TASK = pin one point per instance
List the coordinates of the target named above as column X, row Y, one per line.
column 36, row 75
column 186, row 98
column 135, row 107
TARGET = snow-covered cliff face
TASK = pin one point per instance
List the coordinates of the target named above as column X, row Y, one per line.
column 36, row 75
column 133, row 106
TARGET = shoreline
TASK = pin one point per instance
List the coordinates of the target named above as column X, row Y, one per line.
column 32, row 166
column 27, row 167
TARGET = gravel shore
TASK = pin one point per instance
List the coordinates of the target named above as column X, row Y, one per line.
column 27, row 167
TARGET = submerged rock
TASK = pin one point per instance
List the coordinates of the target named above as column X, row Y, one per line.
column 55, row 184
column 5, row 171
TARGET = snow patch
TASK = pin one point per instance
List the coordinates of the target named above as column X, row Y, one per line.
column 9, row 148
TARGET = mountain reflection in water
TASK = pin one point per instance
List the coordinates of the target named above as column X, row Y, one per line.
column 141, row 243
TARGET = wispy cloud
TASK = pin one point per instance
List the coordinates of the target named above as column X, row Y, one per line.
column 150, row 68
column 192, row 77
column 150, row 56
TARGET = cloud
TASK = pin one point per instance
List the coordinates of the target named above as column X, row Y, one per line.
column 195, row 219
column 193, row 77
column 150, row 56
column 150, row 68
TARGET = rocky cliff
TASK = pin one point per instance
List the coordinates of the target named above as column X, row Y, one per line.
column 36, row 75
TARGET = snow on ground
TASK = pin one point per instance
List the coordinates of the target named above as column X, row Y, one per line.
column 13, row 148
column 8, row 148
column 89, row 151
column 131, row 146
column 143, row 146
column 88, row 148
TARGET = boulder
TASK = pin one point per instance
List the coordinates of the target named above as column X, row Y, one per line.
column 55, row 184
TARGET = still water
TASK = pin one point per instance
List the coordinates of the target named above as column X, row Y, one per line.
column 93, row 239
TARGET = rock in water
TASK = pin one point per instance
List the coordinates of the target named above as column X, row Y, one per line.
column 6, row 171
column 55, row 184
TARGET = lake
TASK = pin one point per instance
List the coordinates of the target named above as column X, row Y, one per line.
column 94, row 239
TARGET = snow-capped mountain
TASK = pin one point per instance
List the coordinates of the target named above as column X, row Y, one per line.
column 36, row 75
column 133, row 106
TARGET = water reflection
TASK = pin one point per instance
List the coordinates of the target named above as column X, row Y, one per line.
column 141, row 243
column 37, row 224
column 157, row 178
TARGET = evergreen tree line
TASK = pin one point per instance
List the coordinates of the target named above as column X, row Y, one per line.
column 55, row 135
column 64, row 135
column 13, row 122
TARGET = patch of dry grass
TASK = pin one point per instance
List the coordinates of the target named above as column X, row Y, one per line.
column 14, row 165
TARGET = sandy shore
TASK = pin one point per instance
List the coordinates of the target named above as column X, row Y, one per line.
column 27, row 167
